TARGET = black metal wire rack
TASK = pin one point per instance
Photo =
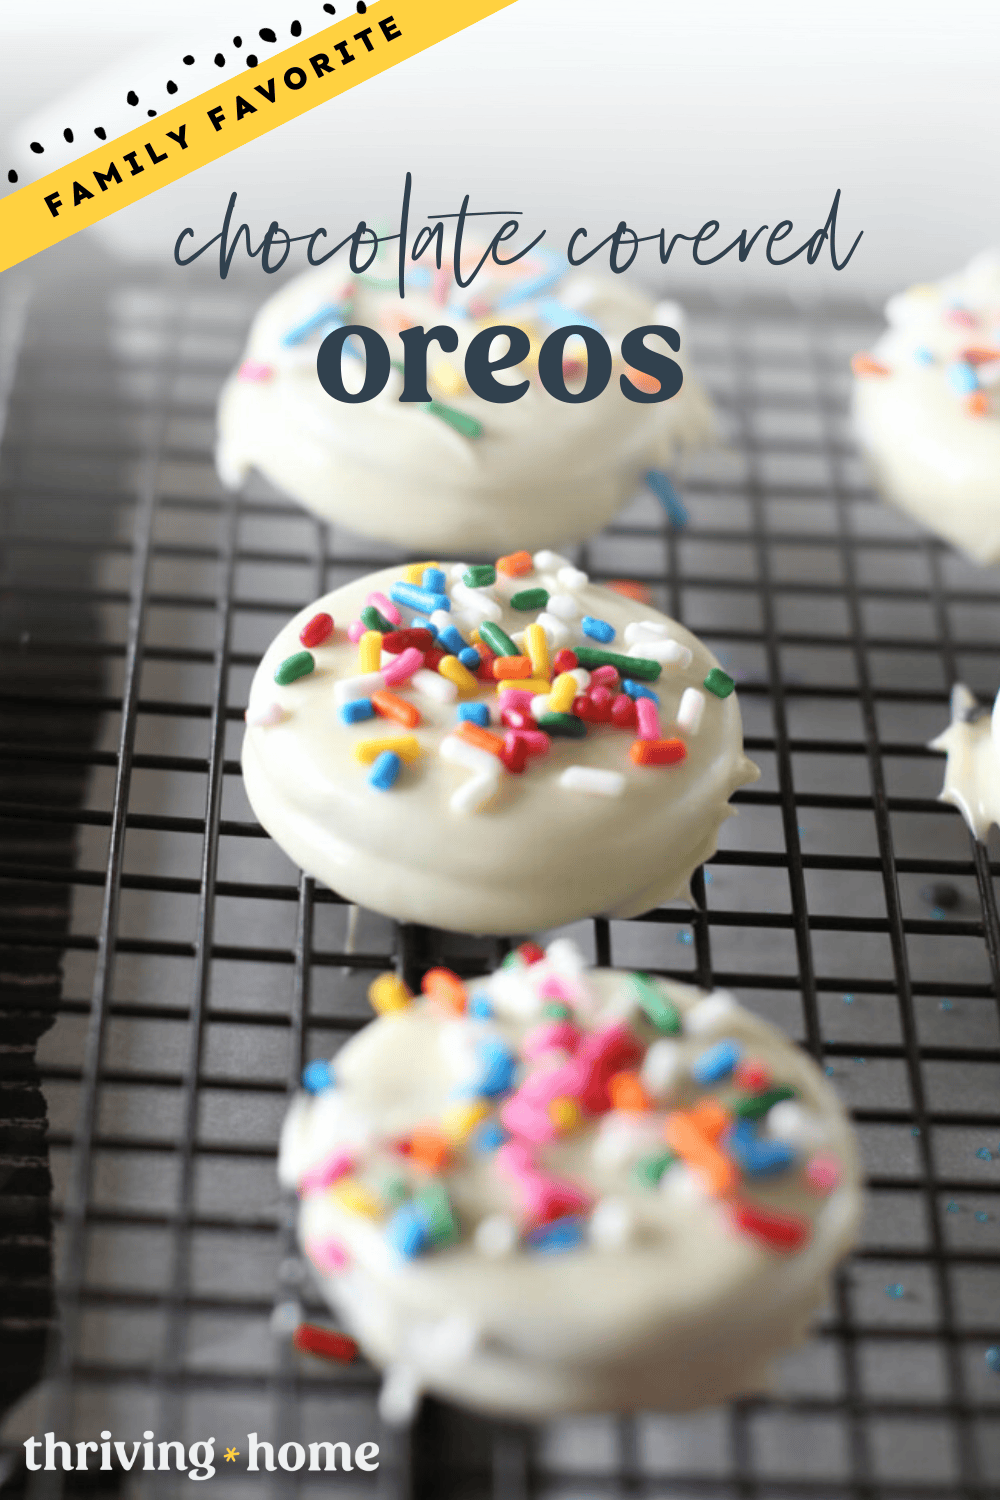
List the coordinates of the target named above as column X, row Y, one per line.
column 165, row 972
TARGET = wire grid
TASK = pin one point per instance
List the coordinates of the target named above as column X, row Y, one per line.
column 186, row 971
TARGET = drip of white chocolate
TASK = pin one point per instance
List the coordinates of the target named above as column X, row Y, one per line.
column 972, row 771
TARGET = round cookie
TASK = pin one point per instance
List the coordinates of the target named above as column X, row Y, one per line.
column 460, row 471
column 927, row 409
column 512, row 797
column 559, row 1189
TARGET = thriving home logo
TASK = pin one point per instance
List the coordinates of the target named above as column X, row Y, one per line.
column 197, row 1460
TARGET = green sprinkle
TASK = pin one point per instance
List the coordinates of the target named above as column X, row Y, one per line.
column 755, row 1106
column 511, row 960
column 651, row 1168
column 529, row 599
column 556, row 1011
column 718, row 682
column 629, row 666
column 374, row 619
column 479, row 576
column 435, row 1205
column 299, row 665
column 498, row 640
column 561, row 726
column 394, row 1191
column 660, row 1012
column 467, row 426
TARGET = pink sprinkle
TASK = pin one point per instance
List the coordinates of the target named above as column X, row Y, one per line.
column 254, row 371
column 516, row 698
column 515, row 1160
column 404, row 666
column 531, row 1121
column 604, row 677
column 442, row 284
column 265, row 717
column 562, row 1034
column 385, row 607
column 328, row 1171
column 355, row 631
column 327, row 1255
column 554, row 988
column 648, row 718
column 603, row 1054
column 533, row 740
column 961, row 317
column 479, row 307
column 822, row 1173
column 546, row 1199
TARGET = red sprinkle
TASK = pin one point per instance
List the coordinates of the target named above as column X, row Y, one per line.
column 433, row 657
column 585, row 709
column 398, row 641
column 317, row 630
column 785, row 1233
column 657, row 752
column 486, row 660
column 602, row 703
column 604, row 677
column 623, row 712
column 753, row 1076
column 312, row 1339
column 514, row 754
column 565, row 661
column 531, row 953
column 514, row 718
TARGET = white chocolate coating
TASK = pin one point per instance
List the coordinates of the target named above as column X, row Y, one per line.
column 664, row 1302
column 541, row 472
column 931, row 425
column 538, row 854
column 972, row 771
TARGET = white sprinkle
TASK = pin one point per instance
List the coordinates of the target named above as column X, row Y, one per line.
column 564, row 606
column 591, row 779
column 556, row 632
column 285, row 1318
column 684, row 1185
column 482, row 785
column 400, row 1396
column 441, row 618
column 692, row 707
column 564, row 955
column 496, row 1237
column 611, row 1224
column 539, row 705
column 264, row 716
column 710, row 1014
column 670, row 314
column 640, row 630
column 789, row 1122
column 582, row 678
column 349, row 688
column 671, row 653
column 572, row 578
column 622, row 1138
column 460, row 753
column 661, row 1068
column 545, row 559
column 457, row 570
column 477, row 601
column 432, row 685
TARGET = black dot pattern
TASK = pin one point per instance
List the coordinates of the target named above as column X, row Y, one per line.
column 266, row 35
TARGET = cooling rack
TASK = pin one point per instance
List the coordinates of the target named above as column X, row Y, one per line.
column 166, row 972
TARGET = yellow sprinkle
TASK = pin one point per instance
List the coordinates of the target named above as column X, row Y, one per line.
column 351, row 1194
column 414, row 572
column 388, row 992
column 447, row 378
column 460, row 1120
column 537, row 647
column 406, row 746
column 533, row 685
column 370, row 651
column 563, row 691
column 452, row 668
column 475, row 638
column 564, row 1113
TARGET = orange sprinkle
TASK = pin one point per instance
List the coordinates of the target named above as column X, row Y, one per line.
column 445, row 987
column 683, row 1135
column 631, row 588
column 977, row 404
column 391, row 706
column 627, row 1093
column 515, row 563
column 711, row 1118
column 979, row 354
column 657, row 752
column 864, row 364
column 511, row 666
column 430, row 1149
column 483, row 739
column 641, row 380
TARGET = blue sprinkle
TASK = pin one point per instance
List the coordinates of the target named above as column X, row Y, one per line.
column 923, row 356
column 434, row 580
column 953, row 1207
column 847, row 999
column 480, row 1006
column 828, row 1071
column 937, row 914
column 385, row 771
column 598, row 630
column 420, row 622
column 324, row 322
column 961, row 378
column 541, row 282
column 984, row 1153
column 860, row 1061
column 668, row 497
column 470, row 658
column 452, row 639
column 474, row 713
column 946, row 1005
column 414, row 597
column 497, row 1066
column 487, row 1137
column 895, row 1289
column 684, row 937
column 709, row 877
column 915, row 1131
column 718, row 1062
column 317, row 1076
column 406, row 1231
column 418, row 277
column 756, row 1156
column 638, row 689
column 357, row 710
column 558, row 315
column 982, row 1218
column 561, row 1234
column 993, row 1359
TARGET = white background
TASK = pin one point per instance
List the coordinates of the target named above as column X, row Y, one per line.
column 578, row 111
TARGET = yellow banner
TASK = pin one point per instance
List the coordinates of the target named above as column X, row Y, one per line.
column 315, row 69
